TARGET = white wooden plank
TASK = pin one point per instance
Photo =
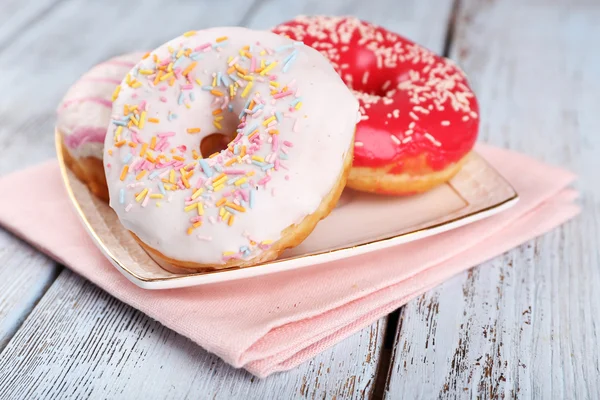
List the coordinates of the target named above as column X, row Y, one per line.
column 81, row 338
column 523, row 325
column 20, row 15
column 81, row 342
column 24, row 276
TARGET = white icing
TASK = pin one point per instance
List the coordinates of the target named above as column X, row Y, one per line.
column 321, row 132
column 87, row 149
column 73, row 115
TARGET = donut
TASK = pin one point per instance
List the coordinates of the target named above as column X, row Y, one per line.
column 83, row 116
column 289, row 121
column 419, row 115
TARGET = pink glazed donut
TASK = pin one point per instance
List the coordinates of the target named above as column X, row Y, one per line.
column 83, row 116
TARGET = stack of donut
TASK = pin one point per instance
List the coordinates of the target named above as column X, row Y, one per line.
column 224, row 147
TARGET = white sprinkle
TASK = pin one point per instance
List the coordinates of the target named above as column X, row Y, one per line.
column 407, row 139
column 465, row 118
column 128, row 207
column 365, row 77
column 413, row 115
column 358, row 144
column 396, row 113
column 296, row 127
column 432, row 139
column 146, row 198
column 411, row 125
column 445, row 123
column 395, row 139
column 386, row 85
column 212, row 219
column 421, row 109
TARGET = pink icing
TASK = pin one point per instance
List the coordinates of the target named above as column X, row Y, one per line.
column 85, row 134
column 98, row 100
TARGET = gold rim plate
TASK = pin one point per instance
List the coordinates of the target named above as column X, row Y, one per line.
column 361, row 223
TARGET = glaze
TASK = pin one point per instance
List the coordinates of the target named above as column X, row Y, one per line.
column 413, row 102
column 84, row 113
column 293, row 120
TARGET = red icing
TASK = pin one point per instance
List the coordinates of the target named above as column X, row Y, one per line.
column 404, row 90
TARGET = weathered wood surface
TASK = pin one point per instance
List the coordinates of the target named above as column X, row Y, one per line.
column 24, row 276
column 525, row 324
column 18, row 15
column 522, row 325
column 80, row 338
column 81, row 342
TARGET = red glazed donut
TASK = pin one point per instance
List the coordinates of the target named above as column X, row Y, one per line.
column 419, row 115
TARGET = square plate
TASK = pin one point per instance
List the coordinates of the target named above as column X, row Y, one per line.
column 359, row 224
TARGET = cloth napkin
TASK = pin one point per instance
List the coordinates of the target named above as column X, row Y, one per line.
column 275, row 322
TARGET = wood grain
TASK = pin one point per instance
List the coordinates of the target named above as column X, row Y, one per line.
column 24, row 276
column 81, row 342
column 522, row 325
column 19, row 15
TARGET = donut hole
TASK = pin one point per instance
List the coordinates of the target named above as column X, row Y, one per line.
column 214, row 143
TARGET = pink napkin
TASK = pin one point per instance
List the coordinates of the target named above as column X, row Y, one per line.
column 276, row 322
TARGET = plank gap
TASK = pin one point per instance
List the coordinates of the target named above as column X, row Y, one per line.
column 25, row 276
column 249, row 14
column 451, row 28
column 385, row 356
column 52, row 278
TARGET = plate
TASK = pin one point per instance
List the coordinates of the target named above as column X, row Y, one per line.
column 360, row 223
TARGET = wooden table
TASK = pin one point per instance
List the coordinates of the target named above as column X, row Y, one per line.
column 522, row 325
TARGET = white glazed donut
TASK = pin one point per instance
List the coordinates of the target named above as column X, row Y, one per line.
column 292, row 122
column 84, row 114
